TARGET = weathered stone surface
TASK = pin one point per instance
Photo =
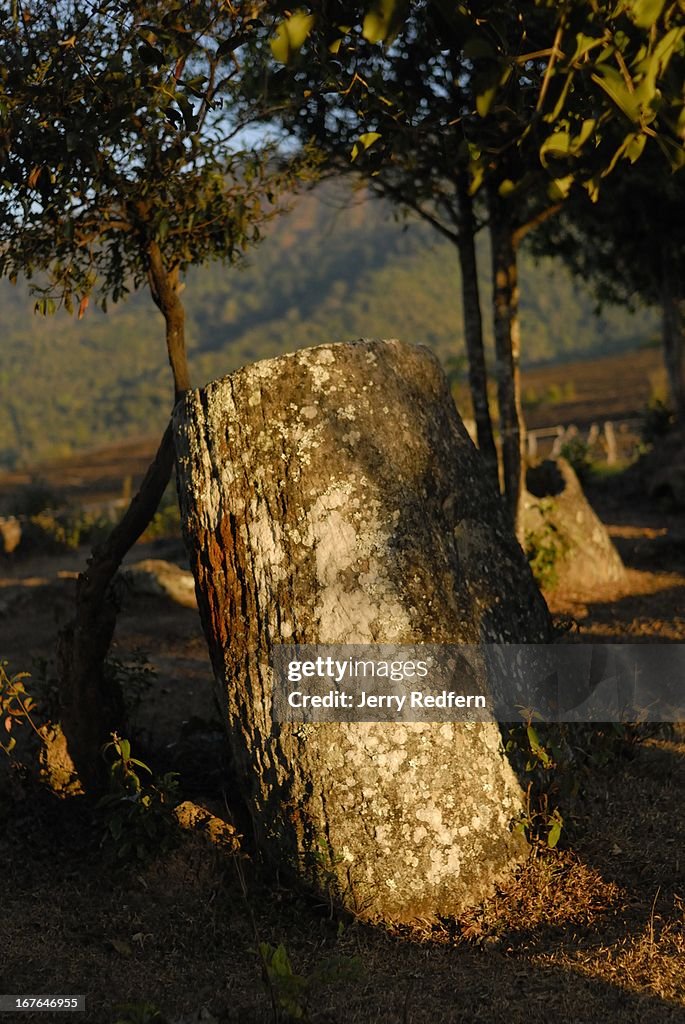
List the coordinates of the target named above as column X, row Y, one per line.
column 556, row 511
column 56, row 765
column 195, row 818
column 334, row 496
column 10, row 534
column 159, row 578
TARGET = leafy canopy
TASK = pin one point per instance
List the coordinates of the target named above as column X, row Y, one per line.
column 568, row 89
column 117, row 133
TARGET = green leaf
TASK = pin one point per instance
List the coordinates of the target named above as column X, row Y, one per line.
column 537, row 748
column 555, row 830
column 586, row 130
column 363, row 143
column 476, row 174
column 290, row 36
column 644, row 13
column 485, row 99
column 554, row 835
column 368, row 138
column 384, row 20
column 552, row 116
column 560, row 187
column 613, row 84
column 555, row 147
column 591, row 186
column 280, row 962
column 635, row 144
column 151, row 55
column 583, row 45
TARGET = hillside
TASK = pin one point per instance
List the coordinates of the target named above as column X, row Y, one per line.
column 326, row 272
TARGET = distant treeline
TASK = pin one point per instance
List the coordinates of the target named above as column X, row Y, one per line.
column 328, row 271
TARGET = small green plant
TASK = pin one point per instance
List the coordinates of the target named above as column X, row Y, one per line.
column 133, row 677
column 290, row 992
column 557, row 758
column 558, row 393
column 138, row 818
column 577, row 453
column 287, row 989
column 16, row 706
column 166, row 522
column 66, row 529
column 541, row 823
column 545, row 547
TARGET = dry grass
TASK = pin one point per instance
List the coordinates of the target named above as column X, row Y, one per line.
column 597, row 933
column 594, row 932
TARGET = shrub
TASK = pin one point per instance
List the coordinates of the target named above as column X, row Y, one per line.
column 66, row 529
column 16, row 706
column 557, row 759
column 656, row 421
column 166, row 522
column 33, row 498
column 139, row 823
column 577, row 453
column 545, row 548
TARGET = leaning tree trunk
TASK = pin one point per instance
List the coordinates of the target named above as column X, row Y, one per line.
column 91, row 703
column 334, row 496
column 473, row 330
column 507, row 351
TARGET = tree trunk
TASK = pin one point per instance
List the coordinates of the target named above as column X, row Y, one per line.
column 165, row 288
column 507, row 351
column 673, row 334
column 473, row 331
column 334, row 496
column 91, row 704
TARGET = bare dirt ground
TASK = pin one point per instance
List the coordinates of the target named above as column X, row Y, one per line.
column 593, row 931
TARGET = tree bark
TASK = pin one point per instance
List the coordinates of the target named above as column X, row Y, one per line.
column 165, row 288
column 91, row 705
column 473, row 331
column 507, row 351
column 334, row 496
column 673, row 334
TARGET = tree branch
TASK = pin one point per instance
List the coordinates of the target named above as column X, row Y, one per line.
column 413, row 204
column 535, row 222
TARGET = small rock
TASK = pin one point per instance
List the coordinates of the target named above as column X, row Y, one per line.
column 195, row 818
column 57, row 767
column 10, row 534
column 161, row 579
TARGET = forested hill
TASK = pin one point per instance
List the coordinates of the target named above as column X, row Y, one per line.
column 325, row 272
